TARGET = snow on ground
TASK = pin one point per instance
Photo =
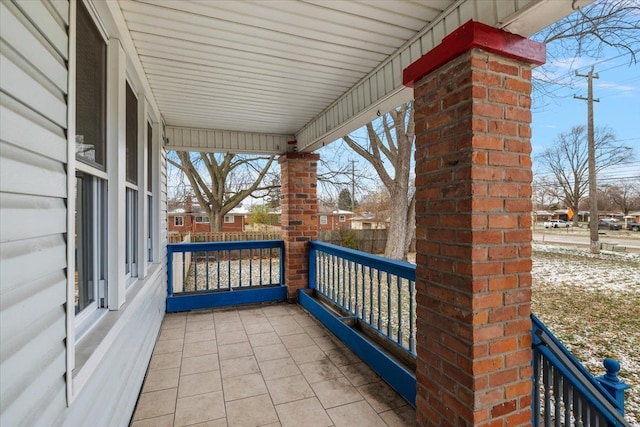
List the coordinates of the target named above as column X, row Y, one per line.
column 592, row 304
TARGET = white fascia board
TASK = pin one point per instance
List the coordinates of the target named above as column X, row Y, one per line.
column 382, row 89
column 213, row 140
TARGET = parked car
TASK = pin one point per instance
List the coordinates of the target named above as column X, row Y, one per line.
column 608, row 225
column 557, row 223
column 633, row 226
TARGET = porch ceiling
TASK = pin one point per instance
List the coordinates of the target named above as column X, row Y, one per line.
column 271, row 71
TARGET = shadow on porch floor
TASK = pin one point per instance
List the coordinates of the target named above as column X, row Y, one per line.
column 269, row 365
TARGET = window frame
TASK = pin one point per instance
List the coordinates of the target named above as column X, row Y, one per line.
column 231, row 217
column 323, row 220
column 202, row 219
column 342, row 218
column 175, row 220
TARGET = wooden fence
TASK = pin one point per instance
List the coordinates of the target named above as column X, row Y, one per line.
column 371, row 241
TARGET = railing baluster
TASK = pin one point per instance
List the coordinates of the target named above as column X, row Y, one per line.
column 389, row 330
column 195, row 271
column 260, row 280
column 412, row 315
column 218, row 262
column 207, row 267
column 546, row 380
column 379, row 301
column 557, row 381
column 370, row 296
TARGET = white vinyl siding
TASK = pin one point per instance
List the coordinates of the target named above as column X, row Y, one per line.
column 47, row 377
column 33, row 191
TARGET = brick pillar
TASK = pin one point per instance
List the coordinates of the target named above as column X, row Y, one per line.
column 473, row 217
column 299, row 218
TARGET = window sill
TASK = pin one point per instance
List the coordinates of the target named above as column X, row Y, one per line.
column 97, row 340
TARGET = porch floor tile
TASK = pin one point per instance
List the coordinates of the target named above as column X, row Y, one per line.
column 267, row 365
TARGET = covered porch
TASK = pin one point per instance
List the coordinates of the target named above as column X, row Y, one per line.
column 85, row 131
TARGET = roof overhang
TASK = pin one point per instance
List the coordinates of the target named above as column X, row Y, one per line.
column 252, row 77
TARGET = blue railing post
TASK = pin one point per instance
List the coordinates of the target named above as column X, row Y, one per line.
column 312, row 266
column 169, row 271
column 612, row 383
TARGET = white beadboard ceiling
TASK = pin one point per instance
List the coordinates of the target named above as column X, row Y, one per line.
column 226, row 73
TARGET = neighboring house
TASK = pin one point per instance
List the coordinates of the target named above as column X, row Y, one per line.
column 369, row 222
column 193, row 218
column 334, row 219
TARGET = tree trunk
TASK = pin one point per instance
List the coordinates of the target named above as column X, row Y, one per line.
column 411, row 226
column 397, row 233
column 215, row 223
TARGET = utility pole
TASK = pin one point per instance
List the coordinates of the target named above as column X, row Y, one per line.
column 353, row 185
column 593, row 196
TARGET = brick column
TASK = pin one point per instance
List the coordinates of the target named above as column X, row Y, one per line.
column 299, row 219
column 473, row 217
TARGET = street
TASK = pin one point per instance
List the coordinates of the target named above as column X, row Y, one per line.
column 631, row 243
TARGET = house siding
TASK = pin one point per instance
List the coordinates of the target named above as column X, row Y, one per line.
column 33, row 183
column 34, row 178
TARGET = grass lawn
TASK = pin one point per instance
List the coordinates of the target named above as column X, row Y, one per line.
column 592, row 304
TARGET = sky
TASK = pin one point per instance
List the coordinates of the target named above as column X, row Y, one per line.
column 617, row 88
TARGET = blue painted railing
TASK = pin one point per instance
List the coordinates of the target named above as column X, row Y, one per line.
column 381, row 293
column 565, row 393
column 203, row 275
column 378, row 291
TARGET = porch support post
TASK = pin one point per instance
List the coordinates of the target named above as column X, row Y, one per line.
column 299, row 216
column 473, row 217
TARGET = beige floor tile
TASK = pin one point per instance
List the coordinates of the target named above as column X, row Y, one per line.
column 359, row 413
column 206, row 325
column 290, row 328
column 171, row 334
column 165, row 361
column 199, row 315
column 321, row 370
column 297, row 340
column 264, row 338
column 175, row 320
column 336, row 392
column 199, row 409
column 325, row 342
column 304, row 320
column 252, row 317
column 200, row 383
column 229, row 326
column 163, row 421
column 169, row 346
column 200, row 348
column 233, row 351
column 231, row 337
column 220, row 422
column 288, row 389
column 204, row 335
column 240, row 366
column 155, row 404
column 381, row 396
column 307, row 354
column 161, row 379
column 272, row 425
column 251, row 412
column 359, row 374
column 342, row 356
column 316, row 331
column 278, row 368
column 243, row 386
column 307, row 412
column 205, row 363
column 400, row 417
column 258, row 328
column 270, row 352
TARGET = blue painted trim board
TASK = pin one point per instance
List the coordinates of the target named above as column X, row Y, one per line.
column 224, row 299
column 403, row 381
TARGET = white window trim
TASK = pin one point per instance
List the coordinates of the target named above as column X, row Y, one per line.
column 199, row 221
column 175, row 221
column 323, row 220
column 229, row 219
column 342, row 218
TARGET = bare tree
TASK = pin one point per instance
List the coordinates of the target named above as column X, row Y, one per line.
column 625, row 196
column 586, row 33
column 393, row 142
column 567, row 160
column 221, row 182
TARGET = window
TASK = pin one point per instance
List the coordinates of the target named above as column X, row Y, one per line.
column 91, row 91
column 202, row 219
column 131, row 191
column 149, row 192
column 323, row 219
column 90, row 242
column 342, row 218
column 229, row 219
column 178, row 221
column 91, row 179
